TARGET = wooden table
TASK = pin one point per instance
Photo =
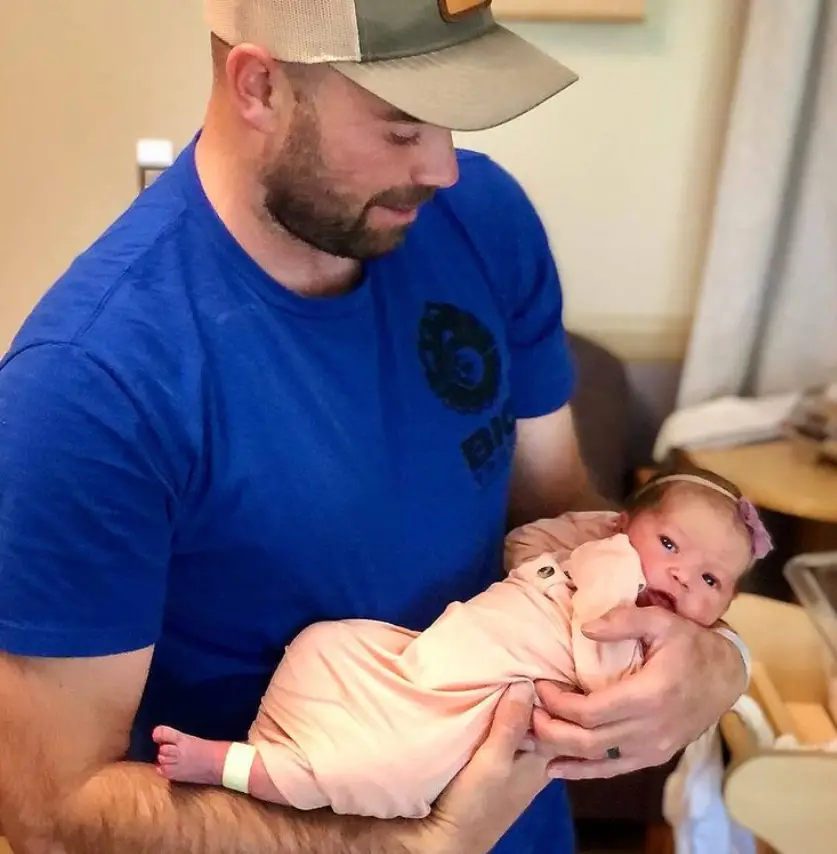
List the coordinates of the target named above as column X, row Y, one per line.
column 777, row 476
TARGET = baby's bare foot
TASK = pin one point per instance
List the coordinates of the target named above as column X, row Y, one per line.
column 188, row 759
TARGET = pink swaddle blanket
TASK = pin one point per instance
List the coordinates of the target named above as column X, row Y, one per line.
column 371, row 719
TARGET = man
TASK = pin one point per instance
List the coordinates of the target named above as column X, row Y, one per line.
column 312, row 373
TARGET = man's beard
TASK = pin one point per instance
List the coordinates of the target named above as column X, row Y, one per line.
column 300, row 197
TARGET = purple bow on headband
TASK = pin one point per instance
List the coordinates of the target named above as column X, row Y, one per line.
column 759, row 536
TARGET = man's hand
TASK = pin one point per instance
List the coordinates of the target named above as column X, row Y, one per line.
column 492, row 791
column 691, row 678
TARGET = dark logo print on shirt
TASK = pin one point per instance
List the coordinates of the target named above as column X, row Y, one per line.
column 460, row 357
column 464, row 366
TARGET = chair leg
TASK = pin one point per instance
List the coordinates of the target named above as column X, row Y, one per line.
column 659, row 839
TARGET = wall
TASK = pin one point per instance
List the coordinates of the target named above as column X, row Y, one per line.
column 622, row 165
column 80, row 82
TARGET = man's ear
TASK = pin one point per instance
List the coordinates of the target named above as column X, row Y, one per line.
column 622, row 522
column 259, row 89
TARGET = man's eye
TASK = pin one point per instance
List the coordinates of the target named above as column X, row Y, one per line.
column 404, row 138
column 710, row 579
column 668, row 544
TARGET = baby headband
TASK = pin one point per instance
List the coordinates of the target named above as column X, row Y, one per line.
column 760, row 540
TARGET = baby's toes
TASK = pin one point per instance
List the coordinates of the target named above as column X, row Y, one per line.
column 166, row 735
column 168, row 753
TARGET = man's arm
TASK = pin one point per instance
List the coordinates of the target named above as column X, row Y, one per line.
column 64, row 789
column 65, row 729
column 548, row 475
column 652, row 714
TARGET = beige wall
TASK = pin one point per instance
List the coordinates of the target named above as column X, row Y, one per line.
column 621, row 166
column 80, row 82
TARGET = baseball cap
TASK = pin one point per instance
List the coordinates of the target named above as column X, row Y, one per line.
column 444, row 62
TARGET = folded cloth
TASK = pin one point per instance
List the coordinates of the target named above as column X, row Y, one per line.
column 725, row 422
column 790, row 742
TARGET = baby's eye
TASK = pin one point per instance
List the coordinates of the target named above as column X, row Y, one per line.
column 668, row 544
column 710, row 579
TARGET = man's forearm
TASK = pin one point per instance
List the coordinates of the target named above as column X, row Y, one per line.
column 130, row 809
column 591, row 499
column 553, row 499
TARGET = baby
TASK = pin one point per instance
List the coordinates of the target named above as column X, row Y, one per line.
column 371, row 719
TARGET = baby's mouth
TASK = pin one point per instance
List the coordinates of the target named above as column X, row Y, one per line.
column 659, row 598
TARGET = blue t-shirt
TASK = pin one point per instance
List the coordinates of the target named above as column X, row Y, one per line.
column 195, row 457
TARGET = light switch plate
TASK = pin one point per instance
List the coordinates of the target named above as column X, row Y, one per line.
column 155, row 153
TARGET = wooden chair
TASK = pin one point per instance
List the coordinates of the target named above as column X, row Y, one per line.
column 788, row 800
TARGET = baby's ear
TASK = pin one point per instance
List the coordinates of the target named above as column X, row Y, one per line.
column 622, row 522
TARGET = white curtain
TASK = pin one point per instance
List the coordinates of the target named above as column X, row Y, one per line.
column 766, row 320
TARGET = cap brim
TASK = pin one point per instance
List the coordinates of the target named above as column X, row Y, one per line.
column 473, row 86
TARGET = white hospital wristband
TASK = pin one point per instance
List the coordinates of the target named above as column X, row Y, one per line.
column 237, row 765
column 739, row 644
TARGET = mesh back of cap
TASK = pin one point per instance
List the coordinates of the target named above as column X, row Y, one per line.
column 292, row 30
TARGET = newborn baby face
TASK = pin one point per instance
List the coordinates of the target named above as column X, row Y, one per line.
column 693, row 552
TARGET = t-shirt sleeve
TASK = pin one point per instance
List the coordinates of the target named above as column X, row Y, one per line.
column 85, row 509
column 542, row 368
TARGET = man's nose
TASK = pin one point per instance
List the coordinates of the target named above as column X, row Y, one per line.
column 437, row 165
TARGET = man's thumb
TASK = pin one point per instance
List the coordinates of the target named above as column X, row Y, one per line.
column 512, row 720
column 627, row 622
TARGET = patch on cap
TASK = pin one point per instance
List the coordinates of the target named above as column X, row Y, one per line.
column 453, row 10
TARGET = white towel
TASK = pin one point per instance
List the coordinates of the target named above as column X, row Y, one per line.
column 725, row 422
column 693, row 802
